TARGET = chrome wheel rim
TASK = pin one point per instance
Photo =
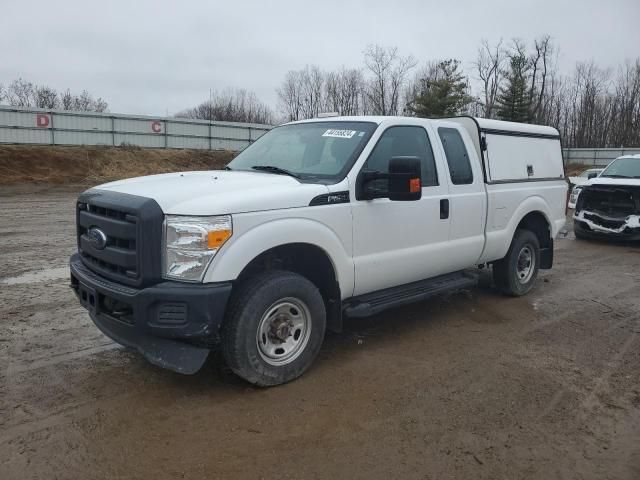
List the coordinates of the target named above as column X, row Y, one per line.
column 283, row 331
column 526, row 264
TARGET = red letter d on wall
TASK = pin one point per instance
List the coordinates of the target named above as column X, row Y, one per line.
column 42, row 120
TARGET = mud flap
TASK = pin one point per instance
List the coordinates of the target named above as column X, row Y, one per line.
column 546, row 256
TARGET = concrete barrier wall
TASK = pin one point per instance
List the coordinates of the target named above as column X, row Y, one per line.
column 597, row 157
column 53, row 127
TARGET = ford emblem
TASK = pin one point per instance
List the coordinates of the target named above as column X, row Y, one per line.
column 97, row 238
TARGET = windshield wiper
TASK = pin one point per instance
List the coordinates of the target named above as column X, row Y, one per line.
column 274, row 169
column 616, row 176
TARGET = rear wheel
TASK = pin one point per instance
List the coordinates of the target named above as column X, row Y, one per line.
column 274, row 328
column 516, row 273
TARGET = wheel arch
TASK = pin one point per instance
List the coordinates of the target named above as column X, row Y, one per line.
column 532, row 214
column 303, row 246
column 538, row 223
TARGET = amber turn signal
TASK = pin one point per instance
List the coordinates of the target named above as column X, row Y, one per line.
column 414, row 185
column 217, row 238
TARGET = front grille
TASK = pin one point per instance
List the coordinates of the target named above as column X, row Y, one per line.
column 605, row 222
column 132, row 226
column 119, row 257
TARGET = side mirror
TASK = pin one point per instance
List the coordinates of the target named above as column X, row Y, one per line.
column 403, row 182
column 591, row 175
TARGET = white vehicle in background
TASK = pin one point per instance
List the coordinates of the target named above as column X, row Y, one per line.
column 315, row 220
column 579, row 180
column 588, row 174
column 608, row 206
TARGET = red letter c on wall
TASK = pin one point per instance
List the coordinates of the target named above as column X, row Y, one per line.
column 156, row 126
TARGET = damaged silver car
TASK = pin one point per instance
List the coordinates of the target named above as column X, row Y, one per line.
column 608, row 206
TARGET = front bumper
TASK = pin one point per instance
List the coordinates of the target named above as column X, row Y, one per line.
column 170, row 323
column 602, row 227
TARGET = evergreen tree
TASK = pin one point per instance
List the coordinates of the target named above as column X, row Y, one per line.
column 441, row 92
column 515, row 98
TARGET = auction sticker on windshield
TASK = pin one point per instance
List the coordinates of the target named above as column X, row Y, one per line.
column 339, row 133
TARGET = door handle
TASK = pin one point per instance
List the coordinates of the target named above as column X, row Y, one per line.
column 444, row 208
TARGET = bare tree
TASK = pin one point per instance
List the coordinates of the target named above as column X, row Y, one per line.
column 66, row 100
column 86, row 103
column 312, row 82
column 232, row 105
column 343, row 91
column 389, row 71
column 625, row 111
column 100, row 105
column 20, row 93
column 540, row 65
column 489, row 65
column 290, row 95
column 44, row 97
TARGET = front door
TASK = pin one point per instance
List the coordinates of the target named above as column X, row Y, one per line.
column 398, row 242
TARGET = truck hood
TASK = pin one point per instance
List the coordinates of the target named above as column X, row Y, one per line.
column 218, row 192
column 633, row 182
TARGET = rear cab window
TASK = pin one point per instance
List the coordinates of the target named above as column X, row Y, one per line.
column 457, row 156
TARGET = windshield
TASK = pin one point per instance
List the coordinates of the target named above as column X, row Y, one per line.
column 623, row 168
column 315, row 151
column 586, row 173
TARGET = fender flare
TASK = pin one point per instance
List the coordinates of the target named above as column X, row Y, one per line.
column 501, row 239
column 234, row 257
column 532, row 204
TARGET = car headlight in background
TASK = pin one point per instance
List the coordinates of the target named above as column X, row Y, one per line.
column 190, row 243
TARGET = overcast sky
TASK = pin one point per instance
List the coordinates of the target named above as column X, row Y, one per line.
column 154, row 57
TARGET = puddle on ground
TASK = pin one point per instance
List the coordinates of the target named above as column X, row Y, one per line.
column 37, row 276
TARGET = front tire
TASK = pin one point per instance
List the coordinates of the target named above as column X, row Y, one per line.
column 516, row 273
column 274, row 328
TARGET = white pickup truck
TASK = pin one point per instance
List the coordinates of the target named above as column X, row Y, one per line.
column 315, row 220
column 608, row 205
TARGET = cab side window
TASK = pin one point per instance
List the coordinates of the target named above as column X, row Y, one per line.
column 457, row 156
column 404, row 142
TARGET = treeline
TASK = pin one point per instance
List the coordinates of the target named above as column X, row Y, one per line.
column 21, row 93
column 515, row 81
column 591, row 107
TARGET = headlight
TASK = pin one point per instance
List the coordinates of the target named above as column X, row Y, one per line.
column 190, row 243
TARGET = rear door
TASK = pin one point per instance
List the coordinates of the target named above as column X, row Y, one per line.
column 467, row 197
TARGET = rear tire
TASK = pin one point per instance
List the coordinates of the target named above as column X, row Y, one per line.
column 516, row 273
column 274, row 328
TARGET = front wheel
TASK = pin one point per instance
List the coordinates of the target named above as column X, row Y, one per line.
column 274, row 328
column 516, row 273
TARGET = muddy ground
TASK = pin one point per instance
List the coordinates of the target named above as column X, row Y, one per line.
column 471, row 385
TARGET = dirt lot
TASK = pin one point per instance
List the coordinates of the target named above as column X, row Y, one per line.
column 470, row 385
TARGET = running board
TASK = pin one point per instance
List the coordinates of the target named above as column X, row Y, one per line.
column 372, row 303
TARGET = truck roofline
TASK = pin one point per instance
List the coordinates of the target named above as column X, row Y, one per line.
column 483, row 123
